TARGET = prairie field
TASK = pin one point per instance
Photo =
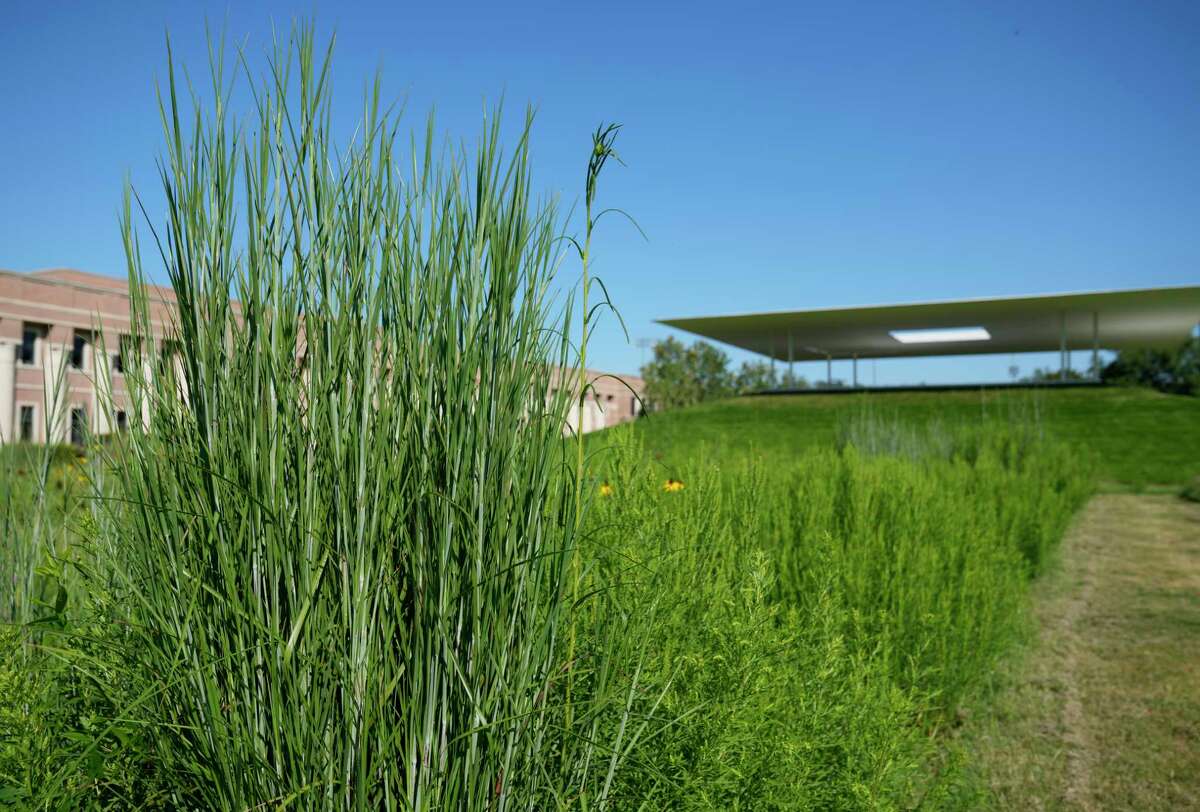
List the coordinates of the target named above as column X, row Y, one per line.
column 348, row 559
column 836, row 626
column 738, row 633
column 1138, row 438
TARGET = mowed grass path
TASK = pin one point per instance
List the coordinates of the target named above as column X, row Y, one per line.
column 1141, row 438
column 1103, row 712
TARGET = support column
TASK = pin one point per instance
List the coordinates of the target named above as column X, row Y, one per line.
column 180, row 377
column 8, row 390
column 56, row 391
column 828, row 370
column 1096, row 344
column 791, row 359
column 855, row 370
column 102, row 413
column 145, row 383
column 1062, row 346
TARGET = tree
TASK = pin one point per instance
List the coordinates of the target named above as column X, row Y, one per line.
column 683, row 376
column 789, row 380
column 755, row 376
column 1177, row 372
column 1048, row 375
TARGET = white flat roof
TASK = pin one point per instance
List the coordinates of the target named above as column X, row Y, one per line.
column 1118, row 319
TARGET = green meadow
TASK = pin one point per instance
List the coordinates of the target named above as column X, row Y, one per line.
column 798, row 630
column 1138, row 437
column 350, row 561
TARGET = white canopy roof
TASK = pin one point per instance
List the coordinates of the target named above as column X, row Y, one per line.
column 1120, row 319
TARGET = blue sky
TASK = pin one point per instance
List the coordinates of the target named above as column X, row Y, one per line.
column 780, row 156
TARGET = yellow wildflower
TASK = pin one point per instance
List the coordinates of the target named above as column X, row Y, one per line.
column 606, row 489
column 672, row 485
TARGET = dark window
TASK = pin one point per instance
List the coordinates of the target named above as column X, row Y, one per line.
column 78, row 426
column 27, row 352
column 78, row 345
column 125, row 354
column 26, row 424
column 122, row 420
column 167, row 355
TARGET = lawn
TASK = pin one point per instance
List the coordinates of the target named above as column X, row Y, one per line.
column 1140, row 438
column 1101, row 711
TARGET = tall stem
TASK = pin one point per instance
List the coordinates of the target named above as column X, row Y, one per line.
column 602, row 149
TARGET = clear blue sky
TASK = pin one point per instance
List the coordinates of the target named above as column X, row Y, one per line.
column 779, row 156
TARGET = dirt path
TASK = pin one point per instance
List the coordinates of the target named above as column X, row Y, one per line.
column 1104, row 710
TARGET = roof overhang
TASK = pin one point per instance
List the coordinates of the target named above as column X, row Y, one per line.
column 1119, row 319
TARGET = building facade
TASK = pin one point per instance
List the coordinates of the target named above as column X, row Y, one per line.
column 609, row 401
column 66, row 347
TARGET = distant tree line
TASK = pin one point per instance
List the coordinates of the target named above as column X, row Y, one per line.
column 682, row 375
column 1173, row 371
column 1176, row 372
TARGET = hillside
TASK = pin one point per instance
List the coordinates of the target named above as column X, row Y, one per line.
column 1140, row 437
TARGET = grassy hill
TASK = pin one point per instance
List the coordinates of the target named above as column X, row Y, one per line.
column 1140, row 437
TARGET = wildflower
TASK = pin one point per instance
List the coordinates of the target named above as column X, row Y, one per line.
column 672, row 485
column 606, row 489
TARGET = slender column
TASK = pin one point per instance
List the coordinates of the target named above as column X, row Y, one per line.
column 181, row 379
column 828, row 369
column 56, row 389
column 1062, row 346
column 1096, row 344
column 8, row 390
column 791, row 356
column 856, row 370
column 144, row 384
column 772, row 358
column 102, row 414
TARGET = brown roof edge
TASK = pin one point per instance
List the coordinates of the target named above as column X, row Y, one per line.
column 82, row 280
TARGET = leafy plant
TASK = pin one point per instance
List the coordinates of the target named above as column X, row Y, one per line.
column 684, row 376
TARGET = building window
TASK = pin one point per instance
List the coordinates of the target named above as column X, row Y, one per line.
column 79, row 348
column 31, row 334
column 27, row 424
column 168, row 352
column 124, row 355
column 78, row 425
column 122, row 420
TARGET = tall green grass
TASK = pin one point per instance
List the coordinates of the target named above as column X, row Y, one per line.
column 816, row 623
column 343, row 532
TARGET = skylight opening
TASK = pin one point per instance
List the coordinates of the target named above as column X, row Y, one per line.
column 940, row 335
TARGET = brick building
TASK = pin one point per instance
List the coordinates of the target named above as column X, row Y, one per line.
column 65, row 347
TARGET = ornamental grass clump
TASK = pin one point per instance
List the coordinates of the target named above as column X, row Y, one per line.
column 345, row 526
